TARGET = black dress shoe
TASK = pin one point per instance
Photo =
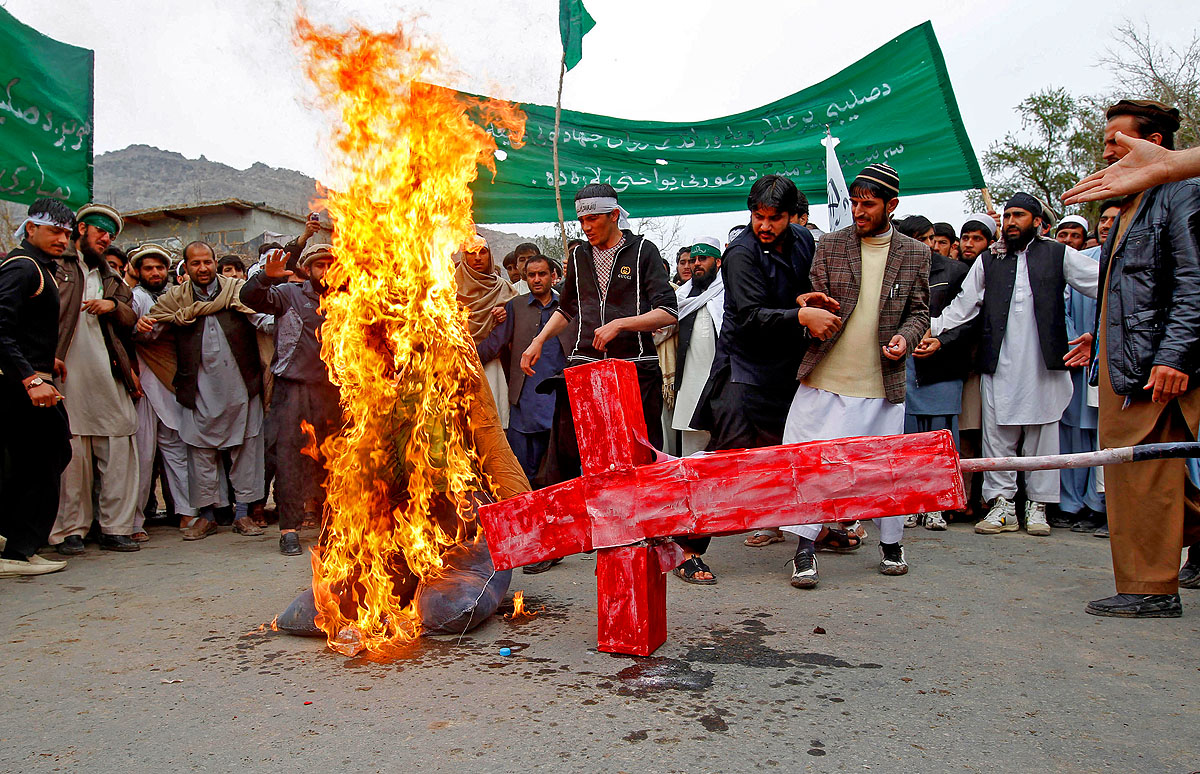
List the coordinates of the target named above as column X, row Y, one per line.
column 539, row 567
column 72, row 545
column 1189, row 574
column 289, row 544
column 1060, row 519
column 1088, row 523
column 1137, row 606
column 119, row 543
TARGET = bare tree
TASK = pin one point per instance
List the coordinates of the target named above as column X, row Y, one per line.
column 1145, row 68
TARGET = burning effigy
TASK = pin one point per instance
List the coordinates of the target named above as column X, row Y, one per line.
column 421, row 445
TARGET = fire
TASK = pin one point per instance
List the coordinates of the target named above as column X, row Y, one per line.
column 519, row 610
column 401, row 471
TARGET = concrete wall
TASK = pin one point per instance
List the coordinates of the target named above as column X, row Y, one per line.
column 227, row 229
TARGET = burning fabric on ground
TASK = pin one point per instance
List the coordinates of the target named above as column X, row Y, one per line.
column 421, row 440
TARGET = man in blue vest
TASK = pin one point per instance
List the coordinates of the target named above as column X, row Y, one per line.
column 1018, row 286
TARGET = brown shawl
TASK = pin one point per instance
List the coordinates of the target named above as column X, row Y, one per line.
column 178, row 307
column 480, row 293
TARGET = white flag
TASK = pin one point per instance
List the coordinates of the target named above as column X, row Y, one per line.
column 839, row 195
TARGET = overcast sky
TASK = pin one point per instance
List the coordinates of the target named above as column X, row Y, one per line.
column 221, row 77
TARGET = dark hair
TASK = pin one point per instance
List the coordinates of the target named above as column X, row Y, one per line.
column 573, row 243
column 265, row 246
column 945, row 230
column 510, row 259
column 1147, row 125
column 596, row 190
column 979, row 228
column 687, row 249
column 801, row 203
column 913, row 225
column 54, row 208
column 774, row 191
column 118, row 252
column 869, row 189
column 198, row 243
column 1104, row 205
column 540, row 257
column 526, row 247
column 231, row 260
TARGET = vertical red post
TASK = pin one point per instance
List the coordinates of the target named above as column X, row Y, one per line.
column 631, row 588
column 631, row 596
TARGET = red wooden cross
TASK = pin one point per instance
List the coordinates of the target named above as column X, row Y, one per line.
column 631, row 499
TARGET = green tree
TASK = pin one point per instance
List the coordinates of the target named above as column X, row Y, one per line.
column 1062, row 135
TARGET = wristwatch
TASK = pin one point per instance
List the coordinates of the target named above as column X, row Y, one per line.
column 36, row 381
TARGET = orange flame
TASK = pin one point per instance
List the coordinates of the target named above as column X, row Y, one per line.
column 311, row 449
column 519, row 607
column 394, row 338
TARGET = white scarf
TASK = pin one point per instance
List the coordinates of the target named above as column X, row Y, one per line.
column 713, row 296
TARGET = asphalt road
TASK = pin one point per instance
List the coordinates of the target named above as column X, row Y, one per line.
column 979, row 660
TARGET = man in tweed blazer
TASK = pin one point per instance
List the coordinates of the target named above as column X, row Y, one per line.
column 853, row 383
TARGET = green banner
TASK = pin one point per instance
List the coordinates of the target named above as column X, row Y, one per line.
column 45, row 116
column 895, row 105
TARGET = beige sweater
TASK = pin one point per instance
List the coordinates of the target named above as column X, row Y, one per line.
column 852, row 367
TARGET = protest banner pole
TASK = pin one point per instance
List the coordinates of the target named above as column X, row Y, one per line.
column 562, row 227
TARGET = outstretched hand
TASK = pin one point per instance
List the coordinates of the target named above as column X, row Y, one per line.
column 276, row 264
column 1144, row 166
column 1081, row 352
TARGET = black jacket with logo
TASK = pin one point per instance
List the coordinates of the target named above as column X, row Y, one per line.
column 638, row 284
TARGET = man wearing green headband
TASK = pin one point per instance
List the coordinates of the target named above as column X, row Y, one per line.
column 95, row 329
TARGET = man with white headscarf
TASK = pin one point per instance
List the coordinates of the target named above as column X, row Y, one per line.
column 701, row 312
column 617, row 290
column 35, row 440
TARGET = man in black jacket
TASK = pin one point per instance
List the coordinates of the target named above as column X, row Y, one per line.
column 1148, row 343
column 35, row 440
column 765, row 329
column 617, row 288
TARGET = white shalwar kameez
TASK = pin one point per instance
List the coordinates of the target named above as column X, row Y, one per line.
column 1023, row 400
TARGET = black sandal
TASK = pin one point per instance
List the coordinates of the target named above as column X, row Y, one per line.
column 839, row 541
column 688, row 570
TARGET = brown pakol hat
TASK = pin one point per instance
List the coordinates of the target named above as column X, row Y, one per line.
column 1148, row 108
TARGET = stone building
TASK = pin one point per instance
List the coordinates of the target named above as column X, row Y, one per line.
column 230, row 225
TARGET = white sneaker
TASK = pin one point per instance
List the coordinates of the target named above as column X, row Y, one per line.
column 912, row 520
column 1035, row 519
column 1001, row 518
column 935, row 521
column 12, row 568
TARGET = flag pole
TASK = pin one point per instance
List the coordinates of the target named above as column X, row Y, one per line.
column 562, row 227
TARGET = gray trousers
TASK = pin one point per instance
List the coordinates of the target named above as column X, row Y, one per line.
column 155, row 437
column 103, row 473
column 205, row 477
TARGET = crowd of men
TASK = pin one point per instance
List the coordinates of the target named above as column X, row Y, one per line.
column 1021, row 333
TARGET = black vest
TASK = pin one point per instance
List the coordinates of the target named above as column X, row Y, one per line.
column 243, row 341
column 1044, row 260
column 527, row 320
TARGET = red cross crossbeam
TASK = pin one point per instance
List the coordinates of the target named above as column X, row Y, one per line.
column 631, row 499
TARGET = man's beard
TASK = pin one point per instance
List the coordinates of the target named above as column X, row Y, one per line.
column 92, row 258
column 154, row 291
column 702, row 281
column 1021, row 241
